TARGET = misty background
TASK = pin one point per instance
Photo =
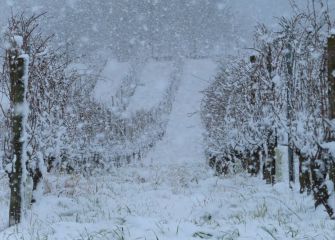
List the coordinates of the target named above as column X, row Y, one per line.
column 96, row 31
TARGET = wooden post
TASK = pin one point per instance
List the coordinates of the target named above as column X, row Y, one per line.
column 331, row 75
column 290, row 154
column 17, row 89
column 331, row 97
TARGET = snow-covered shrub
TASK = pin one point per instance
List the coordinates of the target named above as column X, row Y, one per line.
column 278, row 96
column 67, row 129
column 47, row 91
column 97, row 138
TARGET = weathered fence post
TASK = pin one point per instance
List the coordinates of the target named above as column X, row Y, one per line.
column 18, row 76
column 331, row 75
column 17, row 96
column 290, row 154
column 331, row 98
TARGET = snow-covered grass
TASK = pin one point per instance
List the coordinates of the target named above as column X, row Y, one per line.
column 170, row 195
column 182, row 202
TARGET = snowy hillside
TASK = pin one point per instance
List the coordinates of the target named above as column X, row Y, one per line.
column 167, row 120
column 171, row 194
column 153, row 81
column 135, row 86
column 112, row 75
column 182, row 144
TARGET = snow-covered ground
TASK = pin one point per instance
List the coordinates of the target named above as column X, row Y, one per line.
column 182, row 144
column 112, row 75
column 153, row 81
column 171, row 195
column 150, row 82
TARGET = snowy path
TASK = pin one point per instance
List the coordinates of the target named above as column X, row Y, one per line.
column 173, row 195
column 182, row 145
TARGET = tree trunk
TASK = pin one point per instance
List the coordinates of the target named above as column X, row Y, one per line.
column 17, row 86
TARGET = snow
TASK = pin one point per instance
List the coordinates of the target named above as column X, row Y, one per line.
column 277, row 81
column 153, row 83
column 18, row 40
column 330, row 146
column 183, row 142
column 112, row 76
column 150, row 84
column 170, row 195
column 24, row 112
column 282, row 164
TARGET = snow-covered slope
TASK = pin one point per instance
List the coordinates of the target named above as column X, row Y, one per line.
column 171, row 195
column 112, row 75
column 148, row 83
column 152, row 84
column 182, row 144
